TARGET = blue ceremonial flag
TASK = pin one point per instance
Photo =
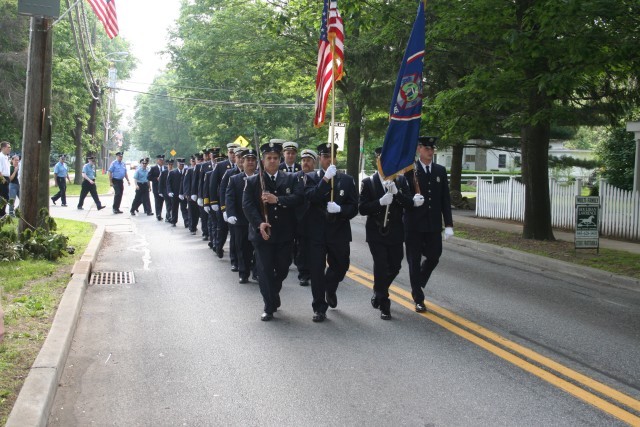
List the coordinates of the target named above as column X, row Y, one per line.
column 401, row 140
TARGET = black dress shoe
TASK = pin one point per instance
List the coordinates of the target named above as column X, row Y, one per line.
column 193, row 233
column 254, row 278
column 243, row 280
column 332, row 299
column 101, row 207
column 374, row 302
column 159, row 218
column 234, row 268
column 167, row 220
column 80, row 208
column 133, row 213
column 304, row 282
column 53, row 201
column 64, row 205
column 266, row 316
column 318, row 317
column 173, row 225
column 220, row 253
column 420, row 307
column 385, row 315
column 149, row 213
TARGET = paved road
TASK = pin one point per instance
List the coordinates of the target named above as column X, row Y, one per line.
column 184, row 345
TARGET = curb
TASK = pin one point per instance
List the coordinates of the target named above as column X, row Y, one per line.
column 580, row 271
column 33, row 406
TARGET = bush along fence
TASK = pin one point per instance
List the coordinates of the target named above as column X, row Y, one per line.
column 619, row 209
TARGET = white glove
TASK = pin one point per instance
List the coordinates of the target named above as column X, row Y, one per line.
column 232, row 220
column 331, row 172
column 333, row 207
column 448, row 232
column 418, row 200
column 224, row 216
column 391, row 187
column 386, row 200
column 194, row 197
column 171, row 195
column 199, row 201
column 181, row 196
column 207, row 209
column 160, row 194
column 215, row 207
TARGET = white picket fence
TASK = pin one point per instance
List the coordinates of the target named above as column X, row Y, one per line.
column 619, row 209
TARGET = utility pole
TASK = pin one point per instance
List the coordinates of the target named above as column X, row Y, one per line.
column 36, row 134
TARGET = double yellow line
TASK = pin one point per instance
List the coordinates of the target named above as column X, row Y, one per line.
column 603, row 397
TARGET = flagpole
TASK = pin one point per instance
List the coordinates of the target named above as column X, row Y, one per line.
column 333, row 101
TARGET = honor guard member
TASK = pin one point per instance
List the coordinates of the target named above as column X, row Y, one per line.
column 162, row 181
column 236, row 168
column 205, row 194
column 206, row 166
column 383, row 203
column 221, row 230
column 290, row 153
column 117, row 175
column 89, row 183
column 61, row 174
column 141, row 180
column 332, row 205
column 194, row 210
column 238, row 223
column 423, row 223
column 269, row 202
column 185, row 191
column 175, row 179
column 301, row 249
column 154, row 179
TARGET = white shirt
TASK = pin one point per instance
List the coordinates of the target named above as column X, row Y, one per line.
column 5, row 168
column 424, row 167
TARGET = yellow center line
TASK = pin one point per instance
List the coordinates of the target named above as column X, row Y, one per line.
column 403, row 298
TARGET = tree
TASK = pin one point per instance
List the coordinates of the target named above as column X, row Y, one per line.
column 617, row 154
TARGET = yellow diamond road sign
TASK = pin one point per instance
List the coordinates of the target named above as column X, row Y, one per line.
column 242, row 141
column 172, row 152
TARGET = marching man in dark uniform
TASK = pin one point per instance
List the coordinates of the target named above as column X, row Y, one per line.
column 185, row 192
column 154, row 177
column 384, row 202
column 236, row 167
column 235, row 216
column 423, row 223
column 162, row 182
column 174, row 185
column 333, row 203
column 191, row 191
column 290, row 153
column 221, row 230
column 300, row 248
column 269, row 202
column 201, row 182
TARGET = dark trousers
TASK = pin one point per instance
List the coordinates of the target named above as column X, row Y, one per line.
column 273, row 261
column 301, row 255
column 325, row 279
column 212, row 218
column 167, row 207
column 88, row 188
column 159, row 201
column 233, row 252
column 62, row 190
column 387, row 261
column 176, row 204
column 118, row 189
column 142, row 198
column 244, row 249
column 222, row 230
column 429, row 245
column 204, row 220
column 4, row 195
column 194, row 215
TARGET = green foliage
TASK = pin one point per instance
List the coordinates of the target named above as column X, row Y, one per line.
column 617, row 154
column 39, row 243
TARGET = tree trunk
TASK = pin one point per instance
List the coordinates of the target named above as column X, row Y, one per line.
column 353, row 140
column 77, row 138
column 535, row 175
column 456, row 167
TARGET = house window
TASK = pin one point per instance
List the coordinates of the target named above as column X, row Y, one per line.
column 502, row 160
column 470, row 158
column 517, row 162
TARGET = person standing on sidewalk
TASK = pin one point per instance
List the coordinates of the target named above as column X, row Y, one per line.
column 423, row 222
column 117, row 175
column 61, row 176
column 5, row 173
column 89, row 183
column 14, row 183
column 140, row 178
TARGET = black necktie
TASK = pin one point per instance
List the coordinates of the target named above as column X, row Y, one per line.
column 290, row 169
column 273, row 179
column 428, row 173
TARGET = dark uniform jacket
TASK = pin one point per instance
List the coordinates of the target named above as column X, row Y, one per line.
column 202, row 182
column 215, row 180
column 296, row 167
column 224, row 184
column 185, row 189
column 195, row 179
column 323, row 226
column 281, row 215
column 369, row 204
column 437, row 201
column 206, row 190
column 174, row 182
column 302, row 211
column 162, row 182
column 154, row 174
column 233, row 198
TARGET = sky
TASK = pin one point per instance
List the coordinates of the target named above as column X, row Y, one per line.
column 145, row 24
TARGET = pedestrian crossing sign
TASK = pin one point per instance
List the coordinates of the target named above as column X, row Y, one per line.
column 242, row 141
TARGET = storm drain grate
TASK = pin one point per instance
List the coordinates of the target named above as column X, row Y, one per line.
column 112, row 278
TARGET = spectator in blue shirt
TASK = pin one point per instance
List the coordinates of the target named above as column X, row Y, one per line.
column 141, row 180
column 61, row 176
column 118, row 173
column 89, row 183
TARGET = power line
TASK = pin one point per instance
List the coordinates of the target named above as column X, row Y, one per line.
column 77, row 46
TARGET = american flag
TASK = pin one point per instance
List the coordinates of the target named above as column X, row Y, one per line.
column 106, row 12
column 331, row 29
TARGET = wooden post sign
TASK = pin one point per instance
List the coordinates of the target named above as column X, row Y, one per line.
column 587, row 219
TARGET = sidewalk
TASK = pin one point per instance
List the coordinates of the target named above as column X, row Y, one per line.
column 469, row 218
